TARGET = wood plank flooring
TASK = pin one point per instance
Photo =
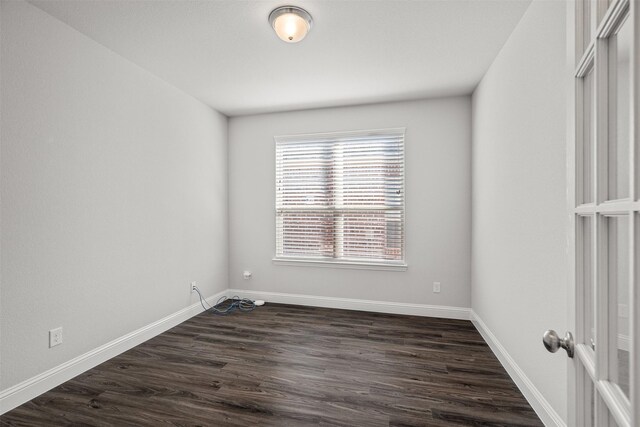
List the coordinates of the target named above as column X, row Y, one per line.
column 284, row 365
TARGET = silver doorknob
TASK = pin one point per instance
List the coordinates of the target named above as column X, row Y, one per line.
column 553, row 342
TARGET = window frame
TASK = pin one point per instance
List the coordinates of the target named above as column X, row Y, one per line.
column 350, row 263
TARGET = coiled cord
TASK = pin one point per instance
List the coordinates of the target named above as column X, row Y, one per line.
column 226, row 305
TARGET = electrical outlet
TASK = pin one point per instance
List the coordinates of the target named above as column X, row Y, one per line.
column 436, row 287
column 55, row 337
column 247, row 275
column 193, row 287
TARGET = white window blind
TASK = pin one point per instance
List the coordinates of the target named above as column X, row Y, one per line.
column 340, row 197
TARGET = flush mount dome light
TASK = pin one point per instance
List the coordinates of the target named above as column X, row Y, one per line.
column 290, row 23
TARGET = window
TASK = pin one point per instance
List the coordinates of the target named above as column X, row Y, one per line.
column 340, row 198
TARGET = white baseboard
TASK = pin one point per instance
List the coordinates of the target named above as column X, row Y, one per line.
column 357, row 304
column 33, row 387
column 540, row 405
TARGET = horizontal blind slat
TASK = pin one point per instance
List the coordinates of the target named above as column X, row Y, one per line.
column 341, row 196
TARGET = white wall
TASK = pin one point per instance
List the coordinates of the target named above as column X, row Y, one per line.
column 519, row 226
column 437, row 203
column 114, row 194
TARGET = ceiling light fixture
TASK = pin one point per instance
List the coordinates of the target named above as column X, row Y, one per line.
column 290, row 23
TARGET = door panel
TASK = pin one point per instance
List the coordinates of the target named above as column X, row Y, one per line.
column 606, row 213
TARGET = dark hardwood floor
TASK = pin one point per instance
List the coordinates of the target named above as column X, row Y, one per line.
column 283, row 365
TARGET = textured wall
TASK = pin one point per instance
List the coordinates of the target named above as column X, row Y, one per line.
column 520, row 265
column 114, row 195
column 438, row 202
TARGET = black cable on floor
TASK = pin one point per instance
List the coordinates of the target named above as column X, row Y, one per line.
column 226, row 305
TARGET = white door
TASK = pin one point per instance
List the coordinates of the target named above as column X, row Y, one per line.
column 604, row 385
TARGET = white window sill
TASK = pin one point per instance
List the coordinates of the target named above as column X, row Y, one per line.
column 357, row 265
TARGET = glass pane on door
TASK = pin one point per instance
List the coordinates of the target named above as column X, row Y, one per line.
column 586, row 393
column 585, row 24
column 619, row 112
column 587, row 142
column 619, row 285
column 585, row 273
column 602, row 7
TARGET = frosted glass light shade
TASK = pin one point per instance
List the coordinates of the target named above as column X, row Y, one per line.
column 290, row 23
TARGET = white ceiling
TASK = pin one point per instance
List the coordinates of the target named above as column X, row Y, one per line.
column 224, row 52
